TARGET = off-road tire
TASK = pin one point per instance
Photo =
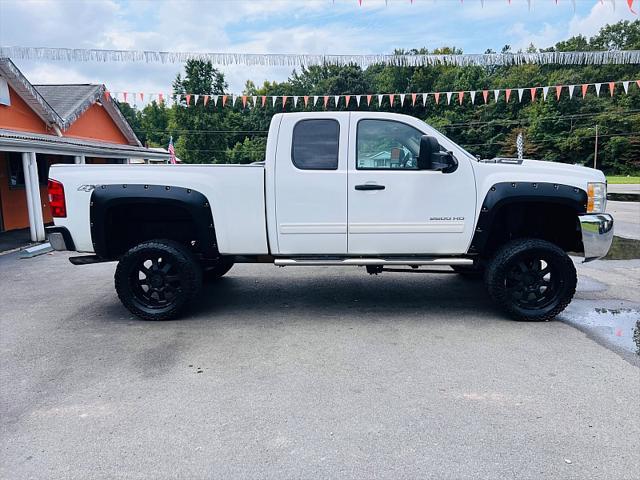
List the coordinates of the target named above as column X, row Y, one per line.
column 217, row 270
column 511, row 285
column 177, row 287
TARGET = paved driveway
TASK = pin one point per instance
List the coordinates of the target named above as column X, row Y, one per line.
column 302, row 373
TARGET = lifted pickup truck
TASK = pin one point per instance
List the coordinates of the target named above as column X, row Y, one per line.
column 365, row 189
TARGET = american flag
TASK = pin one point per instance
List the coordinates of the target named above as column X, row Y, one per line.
column 172, row 152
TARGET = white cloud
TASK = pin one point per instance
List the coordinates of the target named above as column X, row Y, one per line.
column 600, row 15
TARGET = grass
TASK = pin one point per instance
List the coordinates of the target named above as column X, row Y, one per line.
column 613, row 180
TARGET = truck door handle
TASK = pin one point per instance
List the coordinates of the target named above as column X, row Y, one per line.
column 369, row 186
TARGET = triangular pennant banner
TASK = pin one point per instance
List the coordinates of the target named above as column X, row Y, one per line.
column 449, row 94
column 424, row 99
column 244, row 101
column 571, row 89
column 558, row 91
column 264, row 100
column 337, row 99
column 358, row 100
column 598, row 85
column 160, row 98
column 612, row 88
column 224, row 100
column 326, row 100
column 413, row 99
column 274, row 99
column 234, row 97
column 520, row 93
column 485, row 95
column 472, row 94
column 124, row 94
column 214, row 98
column 284, row 101
column 496, row 95
column 107, row 95
column 205, row 100
column 460, row 97
column 507, row 93
column 346, row 100
column 254, row 99
column 188, row 97
column 437, row 97
column 545, row 92
column 369, row 100
column 402, row 96
column 141, row 97
column 315, row 100
column 585, row 86
column 625, row 85
column 306, row 101
column 295, row 101
column 380, row 97
column 533, row 93
column 391, row 96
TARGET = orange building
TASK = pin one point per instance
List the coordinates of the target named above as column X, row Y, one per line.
column 45, row 124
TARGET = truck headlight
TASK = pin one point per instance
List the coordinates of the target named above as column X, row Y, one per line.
column 597, row 197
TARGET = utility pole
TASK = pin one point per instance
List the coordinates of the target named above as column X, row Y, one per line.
column 595, row 154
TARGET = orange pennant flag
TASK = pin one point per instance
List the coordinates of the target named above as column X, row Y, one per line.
column 188, row 97
column 460, row 97
column 346, row 100
column 306, row 101
column 485, row 95
column 612, row 87
column 558, row 91
column 507, row 94
column 142, row 97
column 369, row 100
column 391, row 96
column 244, row 101
column 533, row 93
column 107, row 95
column 638, row 83
column 264, row 100
column 630, row 3
column 585, row 86
column 224, row 100
column 413, row 99
column 161, row 98
column 437, row 97
column 284, row 100
column 206, row 100
column 124, row 94
column 326, row 100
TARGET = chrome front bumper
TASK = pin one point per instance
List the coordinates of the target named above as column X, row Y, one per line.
column 597, row 235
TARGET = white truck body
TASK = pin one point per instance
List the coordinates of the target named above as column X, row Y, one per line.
column 281, row 210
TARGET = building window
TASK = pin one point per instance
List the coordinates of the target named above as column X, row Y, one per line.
column 16, row 172
column 315, row 144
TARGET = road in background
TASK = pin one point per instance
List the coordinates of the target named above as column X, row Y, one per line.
column 304, row 373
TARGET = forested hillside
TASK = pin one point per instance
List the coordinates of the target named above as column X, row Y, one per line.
column 554, row 130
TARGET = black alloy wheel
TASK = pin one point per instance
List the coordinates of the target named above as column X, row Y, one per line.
column 531, row 279
column 156, row 280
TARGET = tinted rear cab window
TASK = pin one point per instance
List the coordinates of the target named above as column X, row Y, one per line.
column 315, row 144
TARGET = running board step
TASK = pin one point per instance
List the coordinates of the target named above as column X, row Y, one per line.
column 288, row 262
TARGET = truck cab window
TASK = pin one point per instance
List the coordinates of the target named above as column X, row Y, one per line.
column 387, row 144
column 315, row 144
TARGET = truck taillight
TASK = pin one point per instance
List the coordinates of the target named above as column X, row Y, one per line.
column 56, row 199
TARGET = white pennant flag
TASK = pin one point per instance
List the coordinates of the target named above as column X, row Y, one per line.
column 233, row 100
column 295, row 101
column 214, row 99
column 315, row 100
column 449, row 97
column 496, row 94
column 402, row 95
column 424, row 99
column 598, row 85
column 337, row 99
column 571, row 87
column 520, row 92
column 358, row 100
column 545, row 91
column 195, row 99
column 255, row 101
column 472, row 93
column 380, row 97
column 625, row 85
column 274, row 99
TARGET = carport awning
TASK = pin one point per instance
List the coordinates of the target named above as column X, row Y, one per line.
column 13, row 141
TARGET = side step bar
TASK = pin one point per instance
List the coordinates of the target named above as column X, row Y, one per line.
column 288, row 262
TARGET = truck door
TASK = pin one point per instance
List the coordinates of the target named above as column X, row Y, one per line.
column 311, row 184
column 394, row 208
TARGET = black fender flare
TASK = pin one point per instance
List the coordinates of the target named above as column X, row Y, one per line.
column 505, row 193
column 105, row 197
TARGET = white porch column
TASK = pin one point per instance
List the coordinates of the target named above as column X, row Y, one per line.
column 79, row 160
column 37, row 201
column 26, row 158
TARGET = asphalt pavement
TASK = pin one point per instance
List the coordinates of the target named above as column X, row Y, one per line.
column 307, row 373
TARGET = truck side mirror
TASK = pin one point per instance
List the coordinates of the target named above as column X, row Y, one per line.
column 431, row 158
column 428, row 146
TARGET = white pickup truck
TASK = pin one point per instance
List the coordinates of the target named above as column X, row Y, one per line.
column 337, row 188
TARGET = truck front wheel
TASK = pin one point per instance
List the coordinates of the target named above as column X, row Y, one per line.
column 531, row 279
column 157, row 279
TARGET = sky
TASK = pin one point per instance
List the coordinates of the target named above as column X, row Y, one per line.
column 279, row 26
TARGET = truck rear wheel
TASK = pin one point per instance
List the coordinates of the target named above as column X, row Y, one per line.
column 157, row 279
column 531, row 279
